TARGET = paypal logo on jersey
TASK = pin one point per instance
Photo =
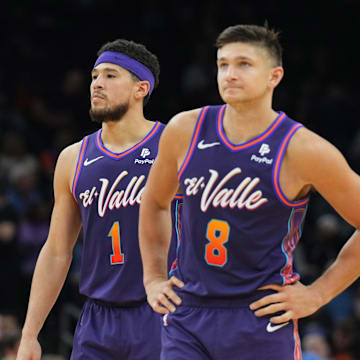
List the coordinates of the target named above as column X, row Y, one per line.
column 144, row 153
column 264, row 149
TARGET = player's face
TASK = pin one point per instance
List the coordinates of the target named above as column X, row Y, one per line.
column 245, row 72
column 110, row 92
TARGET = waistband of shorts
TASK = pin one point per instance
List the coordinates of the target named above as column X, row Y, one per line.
column 226, row 302
column 132, row 304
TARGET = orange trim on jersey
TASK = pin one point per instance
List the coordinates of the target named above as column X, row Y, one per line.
column 276, row 171
column 118, row 156
column 78, row 166
column 297, row 350
column 193, row 141
column 253, row 142
column 179, row 196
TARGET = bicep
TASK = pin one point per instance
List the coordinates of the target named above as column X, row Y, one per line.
column 328, row 172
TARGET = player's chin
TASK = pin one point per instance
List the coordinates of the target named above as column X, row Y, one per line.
column 97, row 102
column 233, row 98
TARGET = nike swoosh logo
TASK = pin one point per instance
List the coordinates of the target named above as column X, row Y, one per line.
column 88, row 162
column 202, row 146
column 165, row 322
column 271, row 328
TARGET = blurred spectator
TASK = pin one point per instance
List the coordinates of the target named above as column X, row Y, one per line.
column 14, row 155
column 23, row 191
column 315, row 344
column 10, row 334
column 8, row 324
column 344, row 340
column 9, row 345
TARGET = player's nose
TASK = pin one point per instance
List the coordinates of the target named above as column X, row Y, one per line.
column 98, row 83
column 230, row 73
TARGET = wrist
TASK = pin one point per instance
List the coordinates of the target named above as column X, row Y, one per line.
column 319, row 298
column 27, row 334
column 153, row 280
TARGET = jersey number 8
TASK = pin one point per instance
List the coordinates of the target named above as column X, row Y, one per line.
column 217, row 234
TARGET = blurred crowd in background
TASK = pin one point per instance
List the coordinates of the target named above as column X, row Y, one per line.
column 47, row 52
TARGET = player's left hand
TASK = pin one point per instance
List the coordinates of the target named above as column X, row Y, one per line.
column 292, row 301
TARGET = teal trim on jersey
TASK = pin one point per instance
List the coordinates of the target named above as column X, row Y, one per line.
column 286, row 236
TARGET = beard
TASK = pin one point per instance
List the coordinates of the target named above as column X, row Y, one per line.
column 109, row 114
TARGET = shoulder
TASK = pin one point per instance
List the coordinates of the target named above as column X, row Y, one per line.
column 308, row 143
column 184, row 121
column 69, row 154
column 66, row 164
column 182, row 125
column 177, row 134
column 312, row 155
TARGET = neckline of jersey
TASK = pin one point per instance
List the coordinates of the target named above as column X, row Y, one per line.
column 113, row 155
column 251, row 142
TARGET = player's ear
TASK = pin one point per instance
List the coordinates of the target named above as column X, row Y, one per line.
column 142, row 88
column 276, row 75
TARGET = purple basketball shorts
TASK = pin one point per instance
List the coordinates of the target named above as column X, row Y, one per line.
column 230, row 332
column 111, row 333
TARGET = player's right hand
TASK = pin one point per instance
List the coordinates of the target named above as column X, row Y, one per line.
column 29, row 349
column 161, row 296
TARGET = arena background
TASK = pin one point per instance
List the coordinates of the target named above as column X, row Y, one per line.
column 47, row 51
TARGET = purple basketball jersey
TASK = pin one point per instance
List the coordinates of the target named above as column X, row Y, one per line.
column 238, row 228
column 108, row 188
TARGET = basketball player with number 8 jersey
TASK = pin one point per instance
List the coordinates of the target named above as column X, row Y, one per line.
column 246, row 172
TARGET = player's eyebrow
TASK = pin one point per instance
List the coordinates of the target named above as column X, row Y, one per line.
column 108, row 69
column 240, row 57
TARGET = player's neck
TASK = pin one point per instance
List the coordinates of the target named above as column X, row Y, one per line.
column 118, row 136
column 242, row 122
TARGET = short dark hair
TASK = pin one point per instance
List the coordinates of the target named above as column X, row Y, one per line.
column 137, row 52
column 261, row 35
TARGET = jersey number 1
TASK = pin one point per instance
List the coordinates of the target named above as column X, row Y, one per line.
column 117, row 256
column 217, row 234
